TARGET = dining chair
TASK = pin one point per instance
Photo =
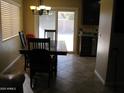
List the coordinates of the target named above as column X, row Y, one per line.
column 24, row 46
column 52, row 34
column 49, row 33
column 40, row 62
column 39, row 43
column 23, row 39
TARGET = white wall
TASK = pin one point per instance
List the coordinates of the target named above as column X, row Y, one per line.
column 104, row 38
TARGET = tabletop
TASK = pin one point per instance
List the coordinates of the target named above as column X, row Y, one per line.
column 56, row 48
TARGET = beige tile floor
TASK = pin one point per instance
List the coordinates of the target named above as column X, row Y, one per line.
column 75, row 75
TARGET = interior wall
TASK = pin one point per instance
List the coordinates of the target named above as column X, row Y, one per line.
column 104, row 38
column 28, row 17
column 9, row 49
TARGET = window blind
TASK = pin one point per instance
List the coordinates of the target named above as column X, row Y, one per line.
column 10, row 20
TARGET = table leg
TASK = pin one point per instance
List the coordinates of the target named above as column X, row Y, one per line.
column 55, row 65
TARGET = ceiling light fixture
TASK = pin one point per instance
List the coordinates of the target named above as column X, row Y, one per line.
column 41, row 9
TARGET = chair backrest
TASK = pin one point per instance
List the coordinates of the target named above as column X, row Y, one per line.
column 23, row 39
column 40, row 60
column 39, row 43
column 48, row 33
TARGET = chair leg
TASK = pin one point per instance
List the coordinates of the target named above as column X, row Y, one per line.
column 25, row 64
column 55, row 65
column 31, row 79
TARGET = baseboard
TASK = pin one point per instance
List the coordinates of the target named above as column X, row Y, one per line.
column 101, row 79
column 10, row 65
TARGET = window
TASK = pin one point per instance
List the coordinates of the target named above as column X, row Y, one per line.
column 10, row 20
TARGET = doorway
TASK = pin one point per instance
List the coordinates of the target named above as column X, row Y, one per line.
column 66, row 28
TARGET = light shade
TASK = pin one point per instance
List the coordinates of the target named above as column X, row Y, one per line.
column 42, row 6
column 33, row 7
column 48, row 8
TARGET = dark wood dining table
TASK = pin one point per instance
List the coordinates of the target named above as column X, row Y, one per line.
column 56, row 48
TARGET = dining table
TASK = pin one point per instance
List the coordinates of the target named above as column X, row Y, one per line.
column 56, row 48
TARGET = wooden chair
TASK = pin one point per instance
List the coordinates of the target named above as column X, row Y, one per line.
column 40, row 59
column 48, row 33
column 40, row 62
column 39, row 43
column 24, row 45
column 23, row 39
column 52, row 34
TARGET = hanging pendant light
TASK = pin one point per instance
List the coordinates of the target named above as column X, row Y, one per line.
column 41, row 9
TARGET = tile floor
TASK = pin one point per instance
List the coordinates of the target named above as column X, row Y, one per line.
column 75, row 75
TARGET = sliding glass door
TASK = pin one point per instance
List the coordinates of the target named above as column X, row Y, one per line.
column 66, row 28
column 64, row 22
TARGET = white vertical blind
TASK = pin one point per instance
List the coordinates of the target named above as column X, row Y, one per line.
column 10, row 20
